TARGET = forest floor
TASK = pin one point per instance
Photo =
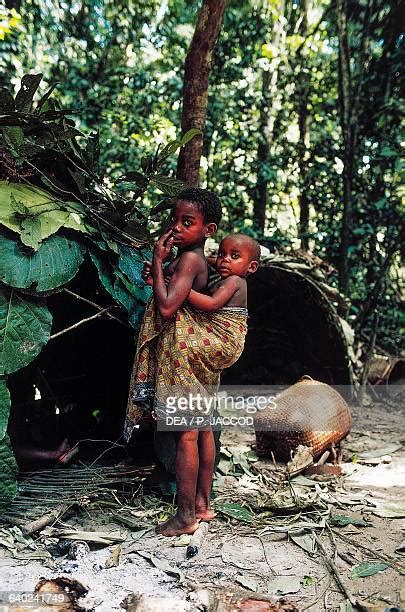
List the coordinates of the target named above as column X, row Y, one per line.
column 287, row 552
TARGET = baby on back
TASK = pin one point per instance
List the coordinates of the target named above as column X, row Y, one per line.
column 238, row 256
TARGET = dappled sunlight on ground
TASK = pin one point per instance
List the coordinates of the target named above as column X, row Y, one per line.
column 382, row 476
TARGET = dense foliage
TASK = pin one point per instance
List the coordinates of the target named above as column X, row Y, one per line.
column 302, row 144
column 46, row 233
column 276, row 148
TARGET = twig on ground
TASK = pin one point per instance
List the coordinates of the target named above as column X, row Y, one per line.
column 45, row 520
column 349, row 560
column 333, row 569
column 394, row 564
column 333, row 541
column 265, row 554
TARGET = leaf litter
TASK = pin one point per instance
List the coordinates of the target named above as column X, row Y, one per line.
column 322, row 517
column 367, row 569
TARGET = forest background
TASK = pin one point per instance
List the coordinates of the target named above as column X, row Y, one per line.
column 302, row 136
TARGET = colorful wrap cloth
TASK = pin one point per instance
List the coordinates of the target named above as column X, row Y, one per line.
column 182, row 356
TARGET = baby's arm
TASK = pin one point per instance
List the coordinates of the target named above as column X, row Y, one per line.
column 222, row 295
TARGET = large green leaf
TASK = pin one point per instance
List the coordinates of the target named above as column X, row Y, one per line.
column 122, row 295
column 123, row 292
column 54, row 264
column 341, row 520
column 105, row 271
column 14, row 138
column 189, row 135
column 236, row 511
column 169, row 185
column 134, row 307
column 367, row 569
column 142, row 294
column 130, row 264
column 25, row 327
column 121, row 289
column 4, row 407
column 8, row 471
column 31, row 232
column 20, row 202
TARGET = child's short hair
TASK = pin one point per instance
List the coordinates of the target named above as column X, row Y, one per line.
column 253, row 245
column 206, row 201
column 256, row 251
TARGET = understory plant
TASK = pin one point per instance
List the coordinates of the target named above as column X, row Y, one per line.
column 55, row 210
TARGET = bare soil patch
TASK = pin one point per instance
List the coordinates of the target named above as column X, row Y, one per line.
column 243, row 554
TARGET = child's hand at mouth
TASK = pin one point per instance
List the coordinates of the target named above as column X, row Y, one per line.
column 163, row 247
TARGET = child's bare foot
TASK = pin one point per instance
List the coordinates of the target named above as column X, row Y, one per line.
column 204, row 514
column 203, row 510
column 176, row 526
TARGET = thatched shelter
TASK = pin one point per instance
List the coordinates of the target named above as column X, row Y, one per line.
column 294, row 328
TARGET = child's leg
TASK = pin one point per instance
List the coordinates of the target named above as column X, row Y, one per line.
column 206, row 451
column 187, row 463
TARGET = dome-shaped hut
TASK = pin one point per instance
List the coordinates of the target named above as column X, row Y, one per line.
column 294, row 328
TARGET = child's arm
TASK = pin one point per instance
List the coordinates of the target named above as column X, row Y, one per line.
column 209, row 303
column 170, row 297
column 147, row 276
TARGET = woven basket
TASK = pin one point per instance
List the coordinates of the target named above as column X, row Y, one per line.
column 309, row 413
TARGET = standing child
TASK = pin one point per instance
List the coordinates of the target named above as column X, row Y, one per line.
column 181, row 349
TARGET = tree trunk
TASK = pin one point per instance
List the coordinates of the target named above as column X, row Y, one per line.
column 303, row 95
column 349, row 99
column 195, row 89
column 344, row 102
column 270, row 102
column 263, row 150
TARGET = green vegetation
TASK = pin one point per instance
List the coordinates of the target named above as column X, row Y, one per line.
column 45, row 234
column 304, row 97
column 302, row 143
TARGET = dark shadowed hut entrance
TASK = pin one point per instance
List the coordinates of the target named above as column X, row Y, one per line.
column 83, row 376
column 77, row 386
column 293, row 330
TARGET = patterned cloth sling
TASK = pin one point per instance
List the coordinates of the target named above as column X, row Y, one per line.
column 183, row 355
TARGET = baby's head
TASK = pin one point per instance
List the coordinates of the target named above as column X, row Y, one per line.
column 238, row 254
column 195, row 216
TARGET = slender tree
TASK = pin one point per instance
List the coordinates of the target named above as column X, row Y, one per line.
column 263, row 153
column 303, row 125
column 270, row 102
column 350, row 90
column 195, row 90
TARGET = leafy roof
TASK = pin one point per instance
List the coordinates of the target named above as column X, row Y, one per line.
column 56, row 209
